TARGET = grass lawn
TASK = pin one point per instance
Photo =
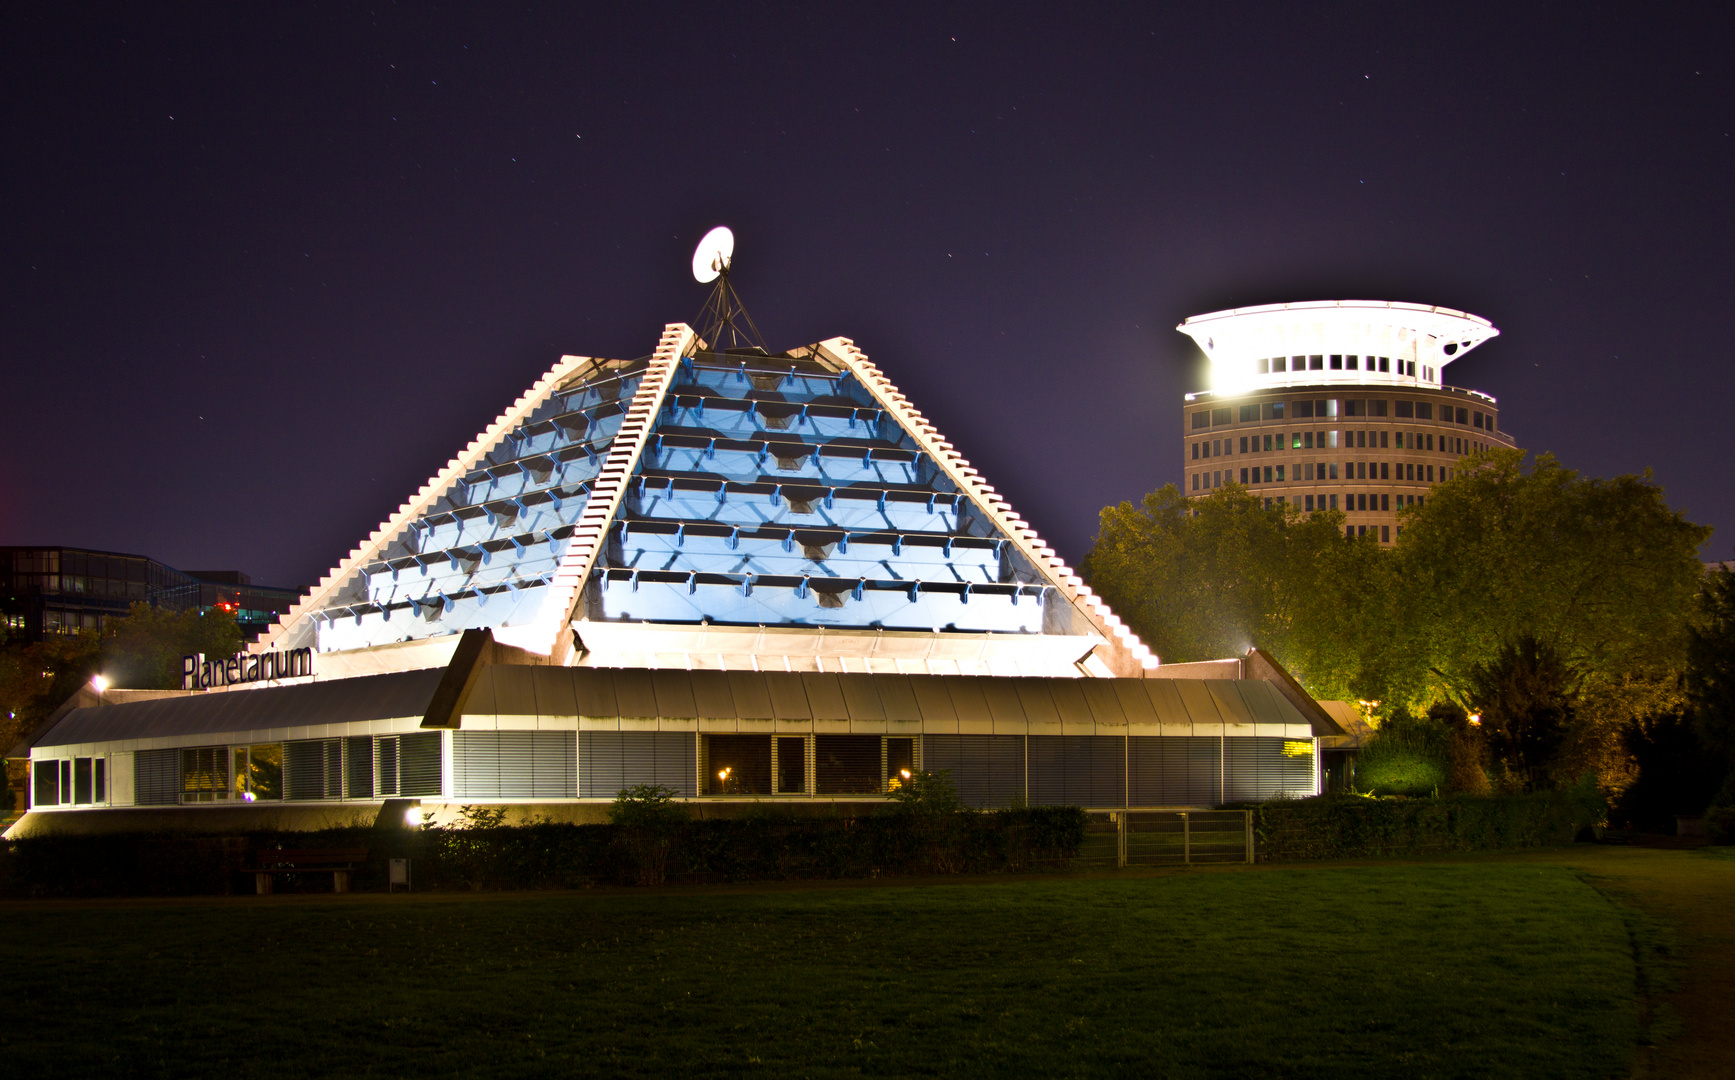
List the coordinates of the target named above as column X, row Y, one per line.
column 1471, row 969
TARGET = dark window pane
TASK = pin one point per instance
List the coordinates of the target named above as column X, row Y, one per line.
column 791, row 765
column 737, row 765
column 46, row 776
column 847, row 764
column 900, row 758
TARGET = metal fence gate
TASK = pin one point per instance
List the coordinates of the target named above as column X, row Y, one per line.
column 1120, row 838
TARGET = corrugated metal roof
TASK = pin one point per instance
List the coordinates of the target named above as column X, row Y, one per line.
column 340, row 701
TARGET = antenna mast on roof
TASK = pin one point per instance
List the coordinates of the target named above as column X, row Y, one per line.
column 724, row 324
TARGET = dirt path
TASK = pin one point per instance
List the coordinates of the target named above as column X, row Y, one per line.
column 1694, row 892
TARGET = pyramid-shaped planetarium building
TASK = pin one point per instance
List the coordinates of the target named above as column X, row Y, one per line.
column 742, row 574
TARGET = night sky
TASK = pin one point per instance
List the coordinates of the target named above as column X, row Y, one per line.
column 267, row 267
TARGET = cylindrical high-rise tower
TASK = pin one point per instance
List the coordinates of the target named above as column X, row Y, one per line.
column 1335, row 405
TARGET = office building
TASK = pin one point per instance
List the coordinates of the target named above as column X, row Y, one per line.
column 50, row 591
column 1336, row 405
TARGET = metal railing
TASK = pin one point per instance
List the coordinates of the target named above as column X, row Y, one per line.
column 1121, row 838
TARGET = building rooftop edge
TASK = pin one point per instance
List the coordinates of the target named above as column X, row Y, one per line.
column 1335, row 388
column 1324, row 305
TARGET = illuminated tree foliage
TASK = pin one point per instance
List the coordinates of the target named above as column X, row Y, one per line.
column 1206, row 579
column 1603, row 573
column 141, row 651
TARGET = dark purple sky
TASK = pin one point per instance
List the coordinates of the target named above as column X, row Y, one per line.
column 266, row 267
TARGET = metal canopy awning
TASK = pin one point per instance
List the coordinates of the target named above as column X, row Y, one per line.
column 504, row 690
column 337, row 701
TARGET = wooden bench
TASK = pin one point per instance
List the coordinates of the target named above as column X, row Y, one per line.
column 339, row 862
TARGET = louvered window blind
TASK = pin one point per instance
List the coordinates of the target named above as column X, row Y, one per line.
column 1266, row 767
column 1077, row 770
column 987, row 770
column 1183, row 770
column 611, row 760
column 156, row 778
column 313, row 769
column 515, row 764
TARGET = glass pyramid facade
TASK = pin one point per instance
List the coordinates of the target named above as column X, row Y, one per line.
column 774, row 491
column 718, row 491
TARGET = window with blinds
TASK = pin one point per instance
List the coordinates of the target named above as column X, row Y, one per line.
column 1183, row 770
column 515, row 764
column 313, row 769
column 1077, row 770
column 363, row 767
column 1267, row 767
column 987, row 770
column 791, row 754
column 848, row 764
column 736, row 764
column 418, row 758
column 204, row 774
column 358, row 756
column 156, row 778
column 609, row 761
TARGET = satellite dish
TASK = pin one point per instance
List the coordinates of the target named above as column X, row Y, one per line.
column 712, row 255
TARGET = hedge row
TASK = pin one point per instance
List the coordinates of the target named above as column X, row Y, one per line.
column 766, row 847
column 559, row 856
column 1350, row 827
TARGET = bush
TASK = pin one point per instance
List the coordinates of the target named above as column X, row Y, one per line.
column 651, row 841
column 1350, row 826
column 1406, row 756
column 1678, row 773
column 928, row 793
column 647, row 821
column 1720, row 825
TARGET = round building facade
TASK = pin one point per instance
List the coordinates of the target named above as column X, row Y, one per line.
column 1336, row 405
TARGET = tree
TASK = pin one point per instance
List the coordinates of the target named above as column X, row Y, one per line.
column 1603, row 571
column 35, row 679
column 141, row 651
column 1208, row 578
column 1527, row 696
column 1710, row 675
